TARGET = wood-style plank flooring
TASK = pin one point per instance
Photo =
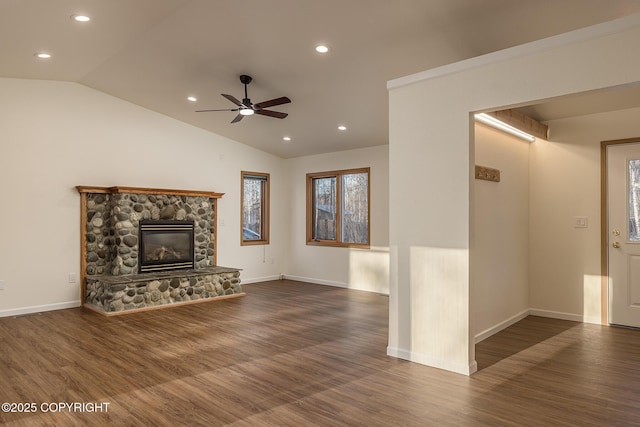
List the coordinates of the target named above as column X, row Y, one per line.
column 297, row 354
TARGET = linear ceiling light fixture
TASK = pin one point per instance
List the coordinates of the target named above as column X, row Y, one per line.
column 495, row 123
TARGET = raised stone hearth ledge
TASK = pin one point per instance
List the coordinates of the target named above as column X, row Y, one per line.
column 118, row 294
column 110, row 236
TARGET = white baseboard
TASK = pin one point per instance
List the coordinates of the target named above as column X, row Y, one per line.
column 534, row 312
column 336, row 284
column 500, row 326
column 423, row 359
column 259, row 279
column 564, row 316
column 39, row 308
column 315, row 281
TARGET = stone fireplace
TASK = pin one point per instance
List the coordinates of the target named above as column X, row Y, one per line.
column 143, row 248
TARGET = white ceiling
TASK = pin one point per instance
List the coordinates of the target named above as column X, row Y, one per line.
column 155, row 53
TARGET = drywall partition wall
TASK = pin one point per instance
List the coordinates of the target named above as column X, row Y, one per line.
column 431, row 133
column 363, row 269
column 56, row 135
column 565, row 183
column 500, row 253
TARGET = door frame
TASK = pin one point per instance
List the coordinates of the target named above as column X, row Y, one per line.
column 604, row 226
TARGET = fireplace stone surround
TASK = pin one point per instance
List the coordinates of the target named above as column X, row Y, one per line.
column 110, row 244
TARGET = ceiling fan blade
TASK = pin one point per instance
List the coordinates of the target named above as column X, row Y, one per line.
column 276, row 114
column 232, row 99
column 273, row 102
column 226, row 109
column 237, row 118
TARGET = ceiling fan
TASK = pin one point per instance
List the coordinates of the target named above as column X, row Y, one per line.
column 247, row 108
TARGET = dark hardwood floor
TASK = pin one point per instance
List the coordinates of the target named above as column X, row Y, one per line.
column 296, row 354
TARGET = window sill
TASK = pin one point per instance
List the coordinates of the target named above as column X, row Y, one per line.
column 337, row 244
column 254, row 242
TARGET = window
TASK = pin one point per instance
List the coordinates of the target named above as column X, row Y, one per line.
column 338, row 208
column 254, row 202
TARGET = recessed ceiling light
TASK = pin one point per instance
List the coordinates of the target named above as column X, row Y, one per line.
column 286, row 138
column 81, row 18
column 192, row 98
column 42, row 55
column 322, row 48
column 342, row 128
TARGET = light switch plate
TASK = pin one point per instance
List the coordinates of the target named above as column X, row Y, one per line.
column 1, row 285
column 580, row 222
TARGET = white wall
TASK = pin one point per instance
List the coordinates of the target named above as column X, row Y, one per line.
column 430, row 237
column 565, row 183
column 500, row 250
column 364, row 269
column 57, row 135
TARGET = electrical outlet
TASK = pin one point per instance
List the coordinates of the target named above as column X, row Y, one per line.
column 73, row 277
column 1, row 285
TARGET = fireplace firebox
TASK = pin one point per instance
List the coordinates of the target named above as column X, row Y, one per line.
column 166, row 245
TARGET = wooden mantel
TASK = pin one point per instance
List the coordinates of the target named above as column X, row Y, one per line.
column 141, row 190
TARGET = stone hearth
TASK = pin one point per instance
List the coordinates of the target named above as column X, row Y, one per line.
column 110, row 246
column 113, row 294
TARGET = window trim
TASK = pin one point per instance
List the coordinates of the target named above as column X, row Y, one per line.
column 338, row 175
column 265, row 209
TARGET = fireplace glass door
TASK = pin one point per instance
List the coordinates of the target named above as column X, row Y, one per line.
column 166, row 245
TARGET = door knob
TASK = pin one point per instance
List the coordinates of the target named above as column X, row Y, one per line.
column 616, row 245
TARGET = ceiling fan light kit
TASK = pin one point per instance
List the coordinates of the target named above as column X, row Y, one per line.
column 247, row 108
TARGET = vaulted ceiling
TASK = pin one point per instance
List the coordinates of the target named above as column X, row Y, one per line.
column 156, row 53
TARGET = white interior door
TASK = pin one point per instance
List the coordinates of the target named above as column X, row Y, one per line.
column 623, row 189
